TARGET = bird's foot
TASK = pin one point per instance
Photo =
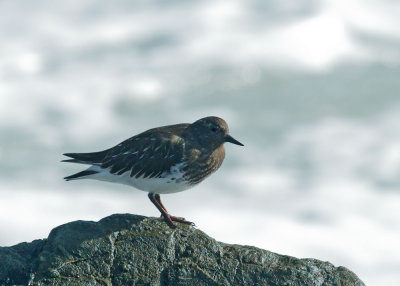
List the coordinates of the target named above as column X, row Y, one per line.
column 182, row 220
column 169, row 220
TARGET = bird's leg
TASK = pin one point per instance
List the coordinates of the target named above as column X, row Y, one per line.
column 156, row 200
column 160, row 207
column 173, row 218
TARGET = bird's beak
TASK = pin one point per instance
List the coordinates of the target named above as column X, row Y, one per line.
column 229, row 138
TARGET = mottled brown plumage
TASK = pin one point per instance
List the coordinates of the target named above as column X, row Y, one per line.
column 161, row 160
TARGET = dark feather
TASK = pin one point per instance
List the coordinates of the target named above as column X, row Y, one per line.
column 73, row 161
column 80, row 174
column 147, row 154
column 86, row 158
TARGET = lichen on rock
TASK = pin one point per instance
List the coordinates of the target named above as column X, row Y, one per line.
column 125, row 249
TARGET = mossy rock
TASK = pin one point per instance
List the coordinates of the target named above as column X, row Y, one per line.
column 125, row 249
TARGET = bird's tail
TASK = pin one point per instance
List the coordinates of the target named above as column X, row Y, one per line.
column 80, row 175
column 86, row 158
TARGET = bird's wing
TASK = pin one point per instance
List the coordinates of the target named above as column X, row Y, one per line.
column 148, row 154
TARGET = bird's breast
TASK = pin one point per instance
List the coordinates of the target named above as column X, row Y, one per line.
column 201, row 164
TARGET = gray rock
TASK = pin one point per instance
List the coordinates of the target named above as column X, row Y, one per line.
column 126, row 249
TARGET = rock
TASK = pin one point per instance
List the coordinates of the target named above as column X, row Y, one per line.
column 125, row 249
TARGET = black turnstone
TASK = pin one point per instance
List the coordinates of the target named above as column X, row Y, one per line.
column 161, row 160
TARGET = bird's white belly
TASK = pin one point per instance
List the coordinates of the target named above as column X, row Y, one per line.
column 166, row 184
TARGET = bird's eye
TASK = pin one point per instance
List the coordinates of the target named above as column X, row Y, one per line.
column 214, row 129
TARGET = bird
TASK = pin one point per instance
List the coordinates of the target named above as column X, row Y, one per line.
column 161, row 160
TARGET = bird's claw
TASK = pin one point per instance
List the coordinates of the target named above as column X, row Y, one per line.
column 170, row 219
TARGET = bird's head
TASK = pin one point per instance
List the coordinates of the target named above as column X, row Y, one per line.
column 211, row 132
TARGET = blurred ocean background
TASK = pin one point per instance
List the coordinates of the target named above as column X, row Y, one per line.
column 312, row 88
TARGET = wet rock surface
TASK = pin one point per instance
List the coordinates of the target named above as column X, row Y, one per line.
column 125, row 249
